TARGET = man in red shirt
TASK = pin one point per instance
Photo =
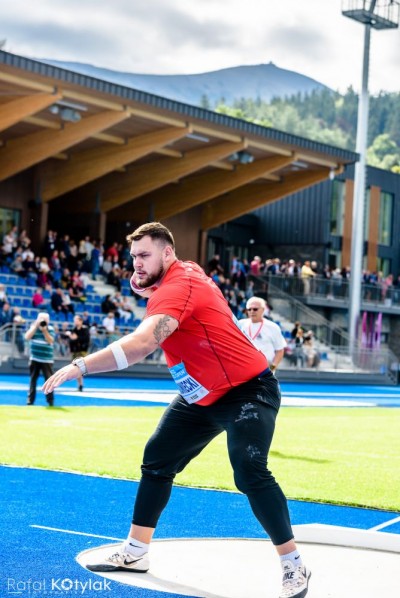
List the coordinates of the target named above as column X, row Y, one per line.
column 224, row 384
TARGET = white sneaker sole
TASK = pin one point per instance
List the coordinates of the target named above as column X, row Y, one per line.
column 139, row 566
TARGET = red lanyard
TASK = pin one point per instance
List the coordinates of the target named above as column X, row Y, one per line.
column 257, row 332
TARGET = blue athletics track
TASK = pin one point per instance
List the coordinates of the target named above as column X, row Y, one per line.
column 53, row 523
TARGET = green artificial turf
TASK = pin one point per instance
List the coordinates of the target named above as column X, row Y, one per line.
column 343, row 456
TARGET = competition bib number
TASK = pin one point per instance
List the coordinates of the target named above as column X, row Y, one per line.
column 191, row 390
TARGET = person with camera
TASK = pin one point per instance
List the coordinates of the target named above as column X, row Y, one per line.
column 41, row 337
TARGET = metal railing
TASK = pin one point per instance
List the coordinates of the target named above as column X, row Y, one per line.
column 14, row 346
column 332, row 342
column 294, row 310
column 334, row 289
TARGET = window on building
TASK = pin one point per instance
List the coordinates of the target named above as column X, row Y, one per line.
column 8, row 219
column 367, row 206
column 337, row 208
column 385, row 219
column 384, row 265
column 335, row 259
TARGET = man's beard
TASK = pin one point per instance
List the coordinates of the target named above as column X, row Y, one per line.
column 151, row 279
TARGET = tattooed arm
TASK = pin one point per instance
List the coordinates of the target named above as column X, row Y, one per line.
column 136, row 346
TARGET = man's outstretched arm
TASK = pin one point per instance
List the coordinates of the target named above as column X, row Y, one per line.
column 127, row 351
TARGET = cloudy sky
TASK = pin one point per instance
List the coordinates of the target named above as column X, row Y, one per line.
column 184, row 37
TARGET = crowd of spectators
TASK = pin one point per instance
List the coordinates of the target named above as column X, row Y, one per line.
column 60, row 275
column 63, row 270
column 304, row 278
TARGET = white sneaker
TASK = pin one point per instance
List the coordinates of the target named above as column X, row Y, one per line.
column 122, row 561
column 295, row 580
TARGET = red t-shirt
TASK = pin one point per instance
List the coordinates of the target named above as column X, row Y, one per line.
column 207, row 354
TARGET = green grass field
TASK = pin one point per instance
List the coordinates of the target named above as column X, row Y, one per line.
column 342, row 456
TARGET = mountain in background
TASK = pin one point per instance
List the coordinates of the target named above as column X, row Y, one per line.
column 262, row 82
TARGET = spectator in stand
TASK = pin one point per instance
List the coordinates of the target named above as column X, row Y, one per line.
column 10, row 243
column 109, row 325
column 215, row 264
column 387, row 288
column 82, row 250
column 23, row 240
column 112, row 252
column 43, row 279
column 50, row 243
column 274, row 267
column 61, row 340
column 95, row 260
column 238, row 273
column 61, row 302
column 17, row 266
column 3, row 296
column 44, row 267
column 29, row 266
column 126, row 269
column 5, row 315
column 37, row 298
column 107, row 266
column 18, row 326
column 63, row 245
column 126, row 310
column 67, row 304
column 65, row 279
column 75, row 292
column 299, row 355
column 54, row 262
column 114, row 278
column 77, row 280
column 249, row 289
column 79, row 340
column 72, row 255
column 311, row 353
column 86, row 319
column 28, row 258
column 88, row 248
column 56, row 300
column 306, row 275
column 108, row 305
column 95, row 341
column 255, row 265
column 295, row 329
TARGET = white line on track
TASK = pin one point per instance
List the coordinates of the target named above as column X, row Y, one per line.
column 386, row 524
column 68, row 531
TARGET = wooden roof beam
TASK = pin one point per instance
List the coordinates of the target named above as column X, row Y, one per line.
column 12, row 112
column 221, row 210
column 23, row 152
column 197, row 189
column 144, row 179
column 86, row 166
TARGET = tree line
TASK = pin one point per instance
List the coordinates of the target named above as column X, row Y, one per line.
column 327, row 117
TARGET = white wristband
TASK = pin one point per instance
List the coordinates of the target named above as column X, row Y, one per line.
column 119, row 355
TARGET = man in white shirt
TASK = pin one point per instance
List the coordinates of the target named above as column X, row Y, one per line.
column 263, row 333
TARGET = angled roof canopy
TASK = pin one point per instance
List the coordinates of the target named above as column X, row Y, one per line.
column 92, row 142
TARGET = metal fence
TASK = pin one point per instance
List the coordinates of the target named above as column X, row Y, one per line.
column 14, row 346
column 335, row 289
column 332, row 342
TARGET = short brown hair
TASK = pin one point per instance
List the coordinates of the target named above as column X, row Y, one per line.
column 155, row 230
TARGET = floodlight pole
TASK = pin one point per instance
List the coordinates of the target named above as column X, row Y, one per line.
column 357, row 238
column 377, row 14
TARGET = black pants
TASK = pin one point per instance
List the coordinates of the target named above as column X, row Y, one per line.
column 247, row 413
column 35, row 367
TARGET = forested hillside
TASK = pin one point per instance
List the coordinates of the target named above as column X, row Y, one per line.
column 329, row 117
